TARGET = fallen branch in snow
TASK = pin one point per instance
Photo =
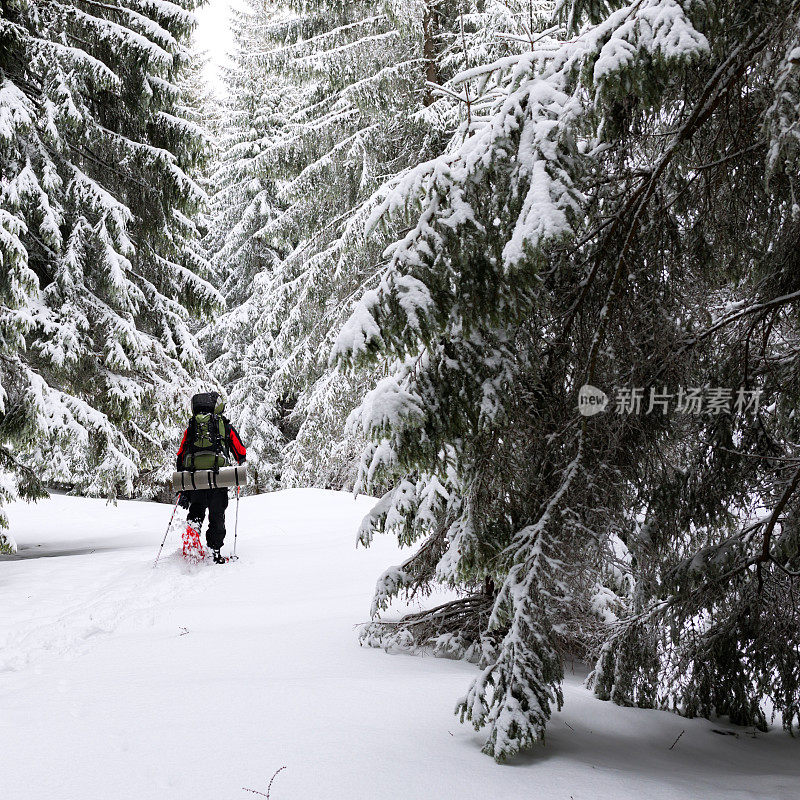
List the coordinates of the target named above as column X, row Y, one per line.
column 269, row 787
column 453, row 629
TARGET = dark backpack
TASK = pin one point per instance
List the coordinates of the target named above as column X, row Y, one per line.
column 207, row 435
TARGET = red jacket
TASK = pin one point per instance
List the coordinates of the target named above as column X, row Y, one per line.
column 232, row 441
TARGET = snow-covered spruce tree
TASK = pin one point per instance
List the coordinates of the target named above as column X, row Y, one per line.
column 339, row 86
column 250, row 123
column 101, row 264
column 368, row 70
column 621, row 213
column 355, row 85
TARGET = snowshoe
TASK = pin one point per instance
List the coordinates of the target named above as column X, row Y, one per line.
column 218, row 557
column 193, row 550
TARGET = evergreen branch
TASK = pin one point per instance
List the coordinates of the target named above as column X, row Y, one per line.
column 776, row 512
column 367, row 40
column 313, row 40
column 6, row 455
column 761, row 143
column 717, row 582
column 753, row 309
column 723, row 78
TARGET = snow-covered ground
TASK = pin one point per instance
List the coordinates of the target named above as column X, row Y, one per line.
column 122, row 681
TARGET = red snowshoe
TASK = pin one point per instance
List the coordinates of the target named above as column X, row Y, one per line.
column 193, row 550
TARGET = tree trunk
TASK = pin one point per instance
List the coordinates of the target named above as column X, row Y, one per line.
column 429, row 26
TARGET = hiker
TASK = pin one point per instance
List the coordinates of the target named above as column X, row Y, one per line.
column 210, row 441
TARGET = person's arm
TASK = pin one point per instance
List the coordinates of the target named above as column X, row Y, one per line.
column 181, row 453
column 237, row 448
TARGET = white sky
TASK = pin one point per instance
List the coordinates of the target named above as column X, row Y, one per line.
column 213, row 34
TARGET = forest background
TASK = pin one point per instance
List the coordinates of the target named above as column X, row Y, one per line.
column 399, row 242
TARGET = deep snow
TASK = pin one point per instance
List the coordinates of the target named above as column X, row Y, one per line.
column 122, row 681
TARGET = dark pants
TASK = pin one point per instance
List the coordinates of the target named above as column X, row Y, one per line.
column 216, row 501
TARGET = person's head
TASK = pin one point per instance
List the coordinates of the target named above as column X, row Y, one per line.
column 208, row 403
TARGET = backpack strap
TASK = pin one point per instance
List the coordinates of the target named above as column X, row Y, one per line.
column 191, row 435
column 217, row 432
column 213, row 433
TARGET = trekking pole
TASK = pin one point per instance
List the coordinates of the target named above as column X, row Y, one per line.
column 234, row 557
column 174, row 509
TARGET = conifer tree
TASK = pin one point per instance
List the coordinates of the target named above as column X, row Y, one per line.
column 341, row 92
column 619, row 211
column 358, row 85
column 101, row 263
column 251, row 121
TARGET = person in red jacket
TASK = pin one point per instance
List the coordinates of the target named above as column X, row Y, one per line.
column 209, row 441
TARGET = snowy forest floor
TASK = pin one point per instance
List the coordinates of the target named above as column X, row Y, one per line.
column 121, row 681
